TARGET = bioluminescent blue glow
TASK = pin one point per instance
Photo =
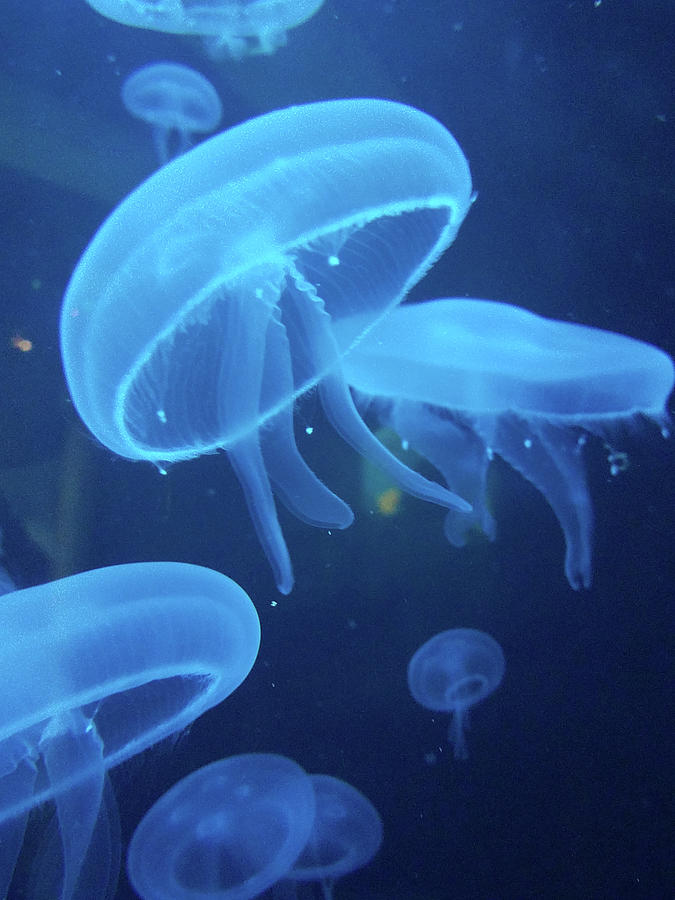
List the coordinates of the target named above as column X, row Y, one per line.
column 176, row 101
column 94, row 669
column 451, row 672
column 460, row 380
column 225, row 832
column 205, row 304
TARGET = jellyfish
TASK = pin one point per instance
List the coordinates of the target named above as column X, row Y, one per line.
column 236, row 27
column 205, row 305
column 176, row 101
column 95, row 668
column 451, row 672
column 461, row 380
column 345, row 836
column 225, row 832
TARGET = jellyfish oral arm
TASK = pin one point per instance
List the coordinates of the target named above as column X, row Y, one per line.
column 458, row 725
column 341, row 411
column 72, row 742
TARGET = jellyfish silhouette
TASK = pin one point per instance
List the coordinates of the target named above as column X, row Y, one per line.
column 451, row 672
column 176, row 101
column 346, row 834
column 461, row 380
column 205, row 305
column 94, row 669
column 225, row 832
column 236, row 27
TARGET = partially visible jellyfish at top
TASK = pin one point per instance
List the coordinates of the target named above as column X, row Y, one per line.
column 462, row 380
column 235, row 28
column 247, row 252
column 95, row 668
column 453, row 671
column 176, row 101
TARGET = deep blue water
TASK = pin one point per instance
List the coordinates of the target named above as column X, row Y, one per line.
column 564, row 109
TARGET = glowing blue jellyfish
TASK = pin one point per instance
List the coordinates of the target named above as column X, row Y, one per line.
column 176, row 101
column 462, row 380
column 451, row 672
column 205, row 304
column 345, row 836
column 226, row 832
column 238, row 27
column 94, row 669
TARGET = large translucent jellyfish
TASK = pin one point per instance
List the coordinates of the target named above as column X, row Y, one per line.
column 460, row 380
column 225, row 832
column 346, row 834
column 239, row 27
column 205, row 304
column 94, row 669
column 451, row 672
column 176, row 101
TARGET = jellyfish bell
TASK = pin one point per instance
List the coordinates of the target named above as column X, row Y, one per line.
column 246, row 251
column 461, row 380
column 176, row 101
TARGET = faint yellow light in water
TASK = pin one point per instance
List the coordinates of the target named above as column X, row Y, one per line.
column 21, row 343
column 389, row 502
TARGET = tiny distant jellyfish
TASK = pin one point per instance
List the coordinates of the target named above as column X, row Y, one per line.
column 451, row 672
column 176, row 101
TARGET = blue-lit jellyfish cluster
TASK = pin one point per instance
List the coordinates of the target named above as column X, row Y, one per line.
column 270, row 261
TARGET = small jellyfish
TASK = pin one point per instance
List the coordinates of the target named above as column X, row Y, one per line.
column 176, row 101
column 228, row 831
column 346, row 835
column 451, row 672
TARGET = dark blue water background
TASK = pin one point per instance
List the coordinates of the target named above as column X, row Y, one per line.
column 565, row 111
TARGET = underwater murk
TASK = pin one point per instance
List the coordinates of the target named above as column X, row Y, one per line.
column 321, row 577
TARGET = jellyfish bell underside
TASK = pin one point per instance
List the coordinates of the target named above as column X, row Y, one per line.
column 461, row 380
column 184, row 637
column 243, row 276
